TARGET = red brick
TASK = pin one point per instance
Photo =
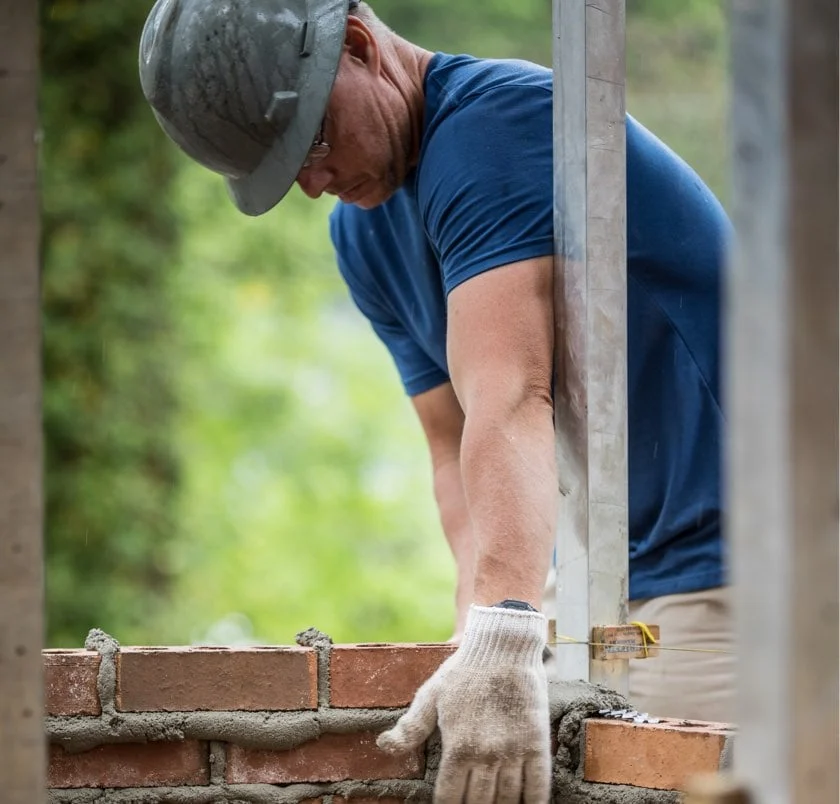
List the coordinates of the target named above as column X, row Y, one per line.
column 221, row 679
column 131, row 765
column 381, row 675
column 331, row 758
column 661, row 756
column 70, row 682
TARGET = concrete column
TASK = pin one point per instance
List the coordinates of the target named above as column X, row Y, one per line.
column 782, row 376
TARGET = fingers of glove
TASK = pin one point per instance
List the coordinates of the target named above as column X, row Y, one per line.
column 415, row 726
column 451, row 782
column 481, row 786
column 509, row 783
column 537, row 778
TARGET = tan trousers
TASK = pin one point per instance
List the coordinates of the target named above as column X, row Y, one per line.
column 693, row 684
column 697, row 684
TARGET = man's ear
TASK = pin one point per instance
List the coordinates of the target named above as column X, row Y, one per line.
column 361, row 44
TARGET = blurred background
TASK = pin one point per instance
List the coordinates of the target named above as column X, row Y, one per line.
column 230, row 457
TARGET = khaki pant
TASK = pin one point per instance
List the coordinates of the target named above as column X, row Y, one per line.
column 694, row 684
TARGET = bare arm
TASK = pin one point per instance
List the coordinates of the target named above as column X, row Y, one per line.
column 500, row 352
column 443, row 422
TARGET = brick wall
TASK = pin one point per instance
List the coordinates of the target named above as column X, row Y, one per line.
column 294, row 724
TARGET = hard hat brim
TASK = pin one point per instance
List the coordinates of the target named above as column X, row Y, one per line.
column 263, row 188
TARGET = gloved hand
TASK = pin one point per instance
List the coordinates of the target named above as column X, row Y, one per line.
column 490, row 700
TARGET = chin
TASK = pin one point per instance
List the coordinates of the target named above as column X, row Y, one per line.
column 373, row 199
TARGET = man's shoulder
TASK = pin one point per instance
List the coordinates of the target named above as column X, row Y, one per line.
column 453, row 80
column 476, row 111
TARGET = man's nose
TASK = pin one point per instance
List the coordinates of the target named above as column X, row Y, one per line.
column 314, row 180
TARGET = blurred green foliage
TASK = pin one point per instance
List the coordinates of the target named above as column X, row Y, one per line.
column 109, row 342
column 230, row 456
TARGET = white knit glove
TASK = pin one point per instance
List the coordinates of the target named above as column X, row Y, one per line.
column 490, row 700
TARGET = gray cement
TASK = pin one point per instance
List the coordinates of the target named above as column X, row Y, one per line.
column 218, row 762
column 272, row 730
column 413, row 791
column 727, row 758
column 313, row 638
column 106, row 682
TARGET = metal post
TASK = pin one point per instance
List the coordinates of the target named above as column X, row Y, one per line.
column 590, row 303
column 22, row 744
column 783, row 397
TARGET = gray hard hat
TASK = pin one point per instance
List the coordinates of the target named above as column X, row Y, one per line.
column 242, row 85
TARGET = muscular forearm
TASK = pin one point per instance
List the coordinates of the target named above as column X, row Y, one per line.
column 455, row 520
column 509, row 479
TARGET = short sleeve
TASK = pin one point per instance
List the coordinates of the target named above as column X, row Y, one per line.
column 485, row 184
column 417, row 370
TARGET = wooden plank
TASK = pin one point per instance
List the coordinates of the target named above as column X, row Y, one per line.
column 22, row 757
column 783, row 391
column 590, row 306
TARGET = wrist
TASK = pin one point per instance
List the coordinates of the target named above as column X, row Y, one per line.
column 493, row 632
column 490, row 589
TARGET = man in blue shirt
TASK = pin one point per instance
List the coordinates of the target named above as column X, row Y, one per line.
column 443, row 168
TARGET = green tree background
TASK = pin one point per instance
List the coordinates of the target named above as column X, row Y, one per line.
column 230, row 456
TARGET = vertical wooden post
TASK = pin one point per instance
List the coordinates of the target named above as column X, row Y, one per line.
column 590, row 303
column 783, row 397
column 22, row 742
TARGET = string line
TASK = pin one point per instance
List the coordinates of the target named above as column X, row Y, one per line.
column 570, row 641
column 648, row 640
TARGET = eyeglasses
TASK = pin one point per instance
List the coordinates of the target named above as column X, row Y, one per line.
column 319, row 149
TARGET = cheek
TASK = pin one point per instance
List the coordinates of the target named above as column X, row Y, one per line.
column 369, row 146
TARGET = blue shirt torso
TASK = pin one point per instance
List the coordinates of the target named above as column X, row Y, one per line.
column 481, row 198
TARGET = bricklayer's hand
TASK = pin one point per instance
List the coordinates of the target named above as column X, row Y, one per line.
column 490, row 701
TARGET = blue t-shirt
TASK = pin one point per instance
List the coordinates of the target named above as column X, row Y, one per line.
column 481, row 198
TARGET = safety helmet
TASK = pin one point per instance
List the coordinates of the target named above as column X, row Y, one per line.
column 241, row 86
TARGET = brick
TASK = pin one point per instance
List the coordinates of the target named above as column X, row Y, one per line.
column 331, row 758
column 131, row 765
column 220, row 679
column 660, row 756
column 70, row 682
column 381, row 676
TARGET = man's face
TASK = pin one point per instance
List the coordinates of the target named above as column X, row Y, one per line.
column 366, row 127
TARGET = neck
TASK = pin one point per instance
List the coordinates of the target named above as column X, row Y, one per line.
column 406, row 65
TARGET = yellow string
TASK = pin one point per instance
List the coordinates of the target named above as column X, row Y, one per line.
column 647, row 638
column 646, row 635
